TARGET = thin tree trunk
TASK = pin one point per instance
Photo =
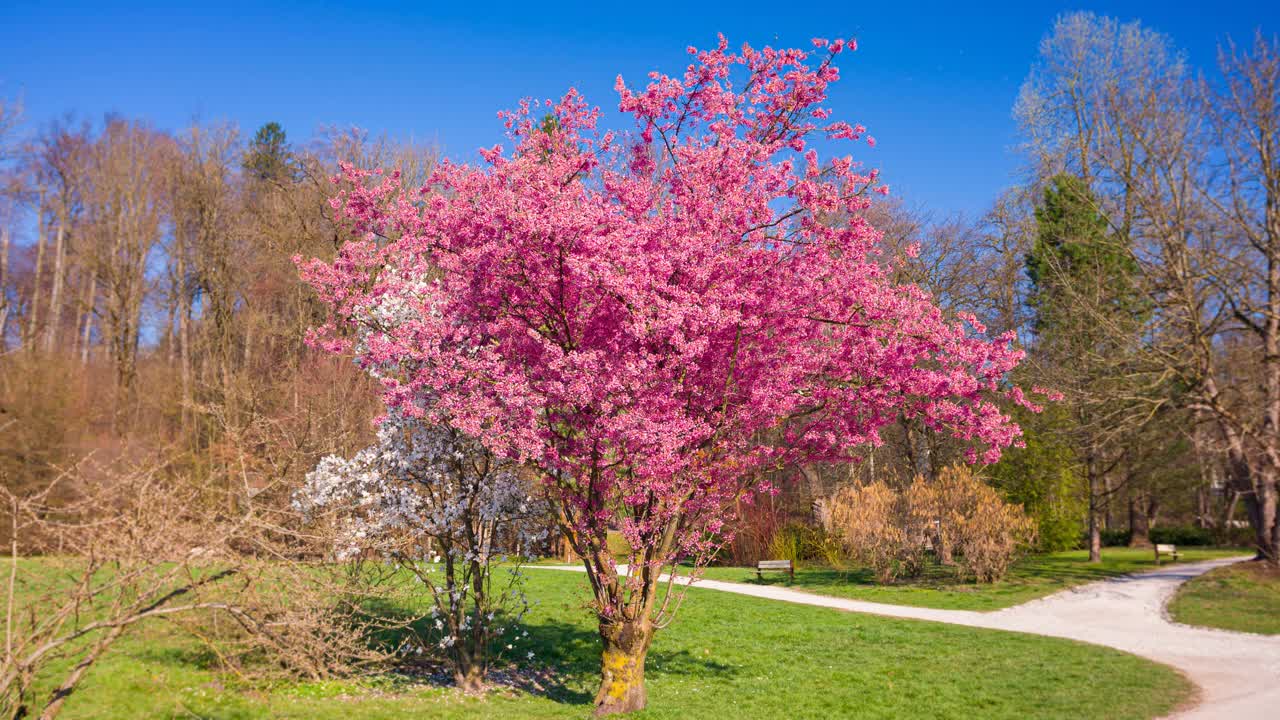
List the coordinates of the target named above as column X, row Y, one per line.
column 4, row 289
column 87, row 332
column 1095, row 531
column 55, row 295
column 1208, row 474
column 177, row 290
column 1108, row 521
column 1203, row 513
column 1229, row 512
column 184, row 351
column 1243, row 477
column 1270, row 530
column 170, row 333
column 33, row 318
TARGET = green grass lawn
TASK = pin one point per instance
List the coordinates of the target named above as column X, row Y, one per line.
column 1030, row 578
column 725, row 657
column 1244, row 597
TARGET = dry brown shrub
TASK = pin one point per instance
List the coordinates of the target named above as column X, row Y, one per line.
column 958, row 514
column 135, row 543
column 966, row 516
column 875, row 530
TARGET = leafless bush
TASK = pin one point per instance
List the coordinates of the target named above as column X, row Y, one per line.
column 957, row 514
column 875, row 529
column 301, row 620
column 970, row 518
column 129, row 550
column 135, row 544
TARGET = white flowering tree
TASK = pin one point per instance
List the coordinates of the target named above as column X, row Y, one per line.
column 433, row 502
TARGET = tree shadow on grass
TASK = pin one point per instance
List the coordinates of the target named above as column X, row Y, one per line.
column 564, row 668
column 683, row 662
column 199, row 656
column 573, row 650
column 934, row 576
column 1057, row 570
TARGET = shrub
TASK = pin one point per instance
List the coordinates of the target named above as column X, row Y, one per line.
column 433, row 502
column 1057, row 532
column 758, row 519
column 787, row 543
column 1113, row 538
column 1189, row 535
column 823, row 547
column 965, row 516
column 797, row 541
column 1234, row 537
column 935, row 507
column 1042, row 477
column 991, row 533
column 874, row 528
column 888, row 530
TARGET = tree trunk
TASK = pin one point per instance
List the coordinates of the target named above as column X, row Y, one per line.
column 1095, row 531
column 1108, row 490
column 167, row 341
column 87, row 332
column 33, row 318
column 1139, row 523
column 55, row 294
column 622, row 666
column 1229, row 512
column 1204, row 515
column 471, row 651
column 1207, row 462
column 469, row 655
column 4, row 285
column 469, row 678
column 1268, row 131
column 1268, row 529
column 1257, row 493
column 184, row 353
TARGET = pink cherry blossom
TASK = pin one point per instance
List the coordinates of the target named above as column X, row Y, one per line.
column 653, row 316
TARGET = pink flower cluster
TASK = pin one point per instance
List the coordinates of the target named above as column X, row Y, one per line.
column 652, row 316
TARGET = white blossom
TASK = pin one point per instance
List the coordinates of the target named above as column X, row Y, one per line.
column 425, row 494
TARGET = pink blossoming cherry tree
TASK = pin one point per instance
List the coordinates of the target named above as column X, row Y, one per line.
column 652, row 317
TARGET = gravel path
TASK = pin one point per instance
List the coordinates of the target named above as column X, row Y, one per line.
column 1238, row 674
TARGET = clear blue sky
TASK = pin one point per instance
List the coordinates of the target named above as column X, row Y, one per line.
column 933, row 83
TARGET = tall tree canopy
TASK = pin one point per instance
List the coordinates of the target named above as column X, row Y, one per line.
column 267, row 157
column 1086, row 324
column 650, row 318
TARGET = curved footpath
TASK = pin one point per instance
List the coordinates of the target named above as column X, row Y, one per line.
column 1238, row 674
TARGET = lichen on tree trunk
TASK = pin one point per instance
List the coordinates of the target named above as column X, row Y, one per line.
column 626, row 645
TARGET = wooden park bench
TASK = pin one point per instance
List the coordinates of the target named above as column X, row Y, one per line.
column 785, row 566
column 1170, row 550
